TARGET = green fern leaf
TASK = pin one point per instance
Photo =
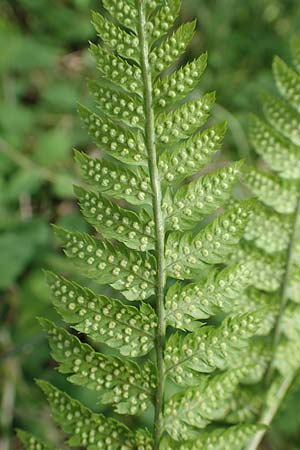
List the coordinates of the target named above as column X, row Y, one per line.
column 295, row 47
column 209, row 348
column 183, row 121
column 279, row 152
column 116, row 38
column 123, row 269
column 232, row 438
column 118, row 182
column 273, row 233
column 113, row 222
column 287, row 359
column 85, row 427
column 191, row 155
column 268, row 230
column 188, row 254
column 290, row 322
column 245, row 405
column 197, row 407
column 123, row 107
column 118, row 382
column 252, row 300
column 273, row 191
column 129, row 329
column 31, row 442
column 176, row 86
column 282, row 117
column 255, row 357
column 267, row 269
column 293, row 284
column 161, row 22
column 171, row 49
column 150, row 139
column 201, row 197
column 127, row 76
column 115, row 140
column 288, row 82
column 124, row 14
column 218, row 292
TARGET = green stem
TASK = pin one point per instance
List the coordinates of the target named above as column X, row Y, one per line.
column 284, row 289
column 270, row 412
column 158, row 219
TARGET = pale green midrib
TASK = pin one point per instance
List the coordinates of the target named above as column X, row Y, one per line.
column 158, row 219
column 269, row 413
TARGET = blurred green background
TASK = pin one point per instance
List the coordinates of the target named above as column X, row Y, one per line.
column 44, row 66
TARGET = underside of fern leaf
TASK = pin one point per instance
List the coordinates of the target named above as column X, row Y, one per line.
column 272, row 233
column 176, row 315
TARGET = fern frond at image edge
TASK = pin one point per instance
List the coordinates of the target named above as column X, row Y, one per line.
column 186, row 326
column 272, row 235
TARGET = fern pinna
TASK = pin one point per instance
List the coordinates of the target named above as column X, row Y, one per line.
column 272, row 234
column 154, row 250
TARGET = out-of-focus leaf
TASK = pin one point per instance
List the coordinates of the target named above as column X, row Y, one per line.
column 61, row 96
column 53, row 147
column 23, row 182
column 63, row 185
column 18, row 247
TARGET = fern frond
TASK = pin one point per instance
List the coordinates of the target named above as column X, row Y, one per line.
column 201, row 197
column 288, row 82
column 256, row 357
column 32, row 442
column 120, row 106
column 116, row 38
column 161, row 22
column 191, row 155
column 183, row 121
column 217, row 292
column 105, row 263
column 114, row 222
column 187, row 254
column 253, row 300
column 278, row 151
column 232, row 438
column 149, row 131
column 179, row 84
column 282, row 117
column 124, row 14
column 161, row 57
column 127, row 76
column 209, row 348
column 274, row 231
column 118, row 382
column 287, row 360
column 273, row 191
column 118, row 182
column 245, row 405
column 290, row 322
column 85, row 427
column 117, row 141
column 196, row 407
column 267, row 271
column 268, row 230
column 129, row 329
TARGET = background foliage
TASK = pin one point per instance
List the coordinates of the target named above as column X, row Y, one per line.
column 44, row 64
